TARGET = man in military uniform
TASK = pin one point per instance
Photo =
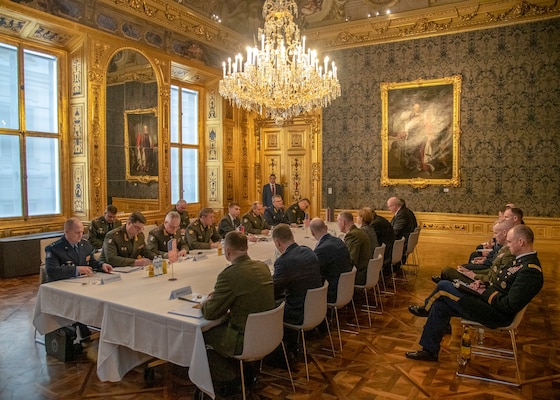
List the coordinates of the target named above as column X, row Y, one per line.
column 126, row 246
column 295, row 214
column 99, row 227
column 181, row 209
column 71, row 256
column 275, row 215
column 231, row 221
column 202, row 233
column 242, row 288
column 254, row 222
column 496, row 306
column 159, row 237
column 357, row 242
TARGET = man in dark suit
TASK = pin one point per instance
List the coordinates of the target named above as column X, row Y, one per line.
column 385, row 234
column 496, row 306
column 271, row 189
column 295, row 271
column 357, row 242
column 71, row 256
column 231, row 221
column 242, row 288
column 403, row 222
column 333, row 255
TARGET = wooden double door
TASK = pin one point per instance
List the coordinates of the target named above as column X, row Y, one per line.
column 293, row 153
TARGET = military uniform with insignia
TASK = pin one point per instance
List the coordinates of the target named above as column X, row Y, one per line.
column 254, row 224
column 275, row 216
column 120, row 251
column 98, row 228
column 158, row 239
column 295, row 215
column 62, row 259
column 199, row 236
column 185, row 220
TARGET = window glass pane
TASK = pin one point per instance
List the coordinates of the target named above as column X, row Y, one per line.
column 190, row 116
column 42, row 176
column 9, row 101
column 190, row 175
column 41, row 106
column 10, row 177
column 174, row 114
column 175, row 183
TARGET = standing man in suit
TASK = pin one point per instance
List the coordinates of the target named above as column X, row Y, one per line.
column 333, row 255
column 231, row 221
column 403, row 222
column 271, row 189
column 242, row 288
column 99, row 227
column 71, row 255
column 357, row 242
column 126, row 246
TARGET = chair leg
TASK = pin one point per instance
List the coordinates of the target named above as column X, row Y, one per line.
column 379, row 296
column 367, row 307
column 338, row 328
column 288, row 365
column 515, row 355
column 330, row 336
column 242, row 379
column 305, row 354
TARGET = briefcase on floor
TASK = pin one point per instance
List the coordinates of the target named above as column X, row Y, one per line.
column 60, row 344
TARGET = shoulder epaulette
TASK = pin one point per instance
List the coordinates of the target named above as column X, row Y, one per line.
column 535, row 266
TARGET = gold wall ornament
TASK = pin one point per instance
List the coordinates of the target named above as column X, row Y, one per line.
column 282, row 79
column 420, row 132
column 424, row 25
column 522, row 9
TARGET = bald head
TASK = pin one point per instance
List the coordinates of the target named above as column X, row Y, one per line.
column 318, row 228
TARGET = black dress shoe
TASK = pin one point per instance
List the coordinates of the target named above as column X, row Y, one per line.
column 419, row 311
column 436, row 279
column 421, row 355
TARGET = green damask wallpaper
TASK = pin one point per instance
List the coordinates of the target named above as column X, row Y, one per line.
column 509, row 118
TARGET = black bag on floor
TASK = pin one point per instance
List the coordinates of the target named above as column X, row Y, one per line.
column 60, row 344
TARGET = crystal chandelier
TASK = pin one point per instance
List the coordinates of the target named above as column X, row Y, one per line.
column 282, row 78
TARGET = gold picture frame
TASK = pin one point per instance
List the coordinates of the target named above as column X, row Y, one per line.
column 420, row 132
column 141, row 145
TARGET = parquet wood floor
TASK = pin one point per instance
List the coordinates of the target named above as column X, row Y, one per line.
column 372, row 365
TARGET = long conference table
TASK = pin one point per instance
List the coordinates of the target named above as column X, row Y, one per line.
column 133, row 312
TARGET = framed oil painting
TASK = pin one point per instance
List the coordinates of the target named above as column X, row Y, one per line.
column 420, row 132
column 141, row 145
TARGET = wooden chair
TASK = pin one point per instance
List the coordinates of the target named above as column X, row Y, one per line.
column 496, row 352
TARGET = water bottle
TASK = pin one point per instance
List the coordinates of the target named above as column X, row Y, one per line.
column 157, row 265
column 465, row 347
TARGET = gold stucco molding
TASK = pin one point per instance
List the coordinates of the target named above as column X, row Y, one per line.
column 444, row 19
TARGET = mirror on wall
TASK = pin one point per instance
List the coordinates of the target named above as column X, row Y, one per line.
column 132, row 132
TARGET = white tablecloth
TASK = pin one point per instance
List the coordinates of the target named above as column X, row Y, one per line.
column 134, row 317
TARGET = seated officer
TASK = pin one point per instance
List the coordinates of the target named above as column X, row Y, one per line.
column 295, row 214
column 202, row 233
column 99, row 227
column 254, row 222
column 72, row 256
column 159, row 237
column 275, row 215
column 126, row 246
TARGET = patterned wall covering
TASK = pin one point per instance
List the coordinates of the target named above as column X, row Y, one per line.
column 510, row 120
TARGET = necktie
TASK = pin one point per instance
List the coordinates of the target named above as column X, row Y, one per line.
column 75, row 247
column 110, row 227
column 273, row 189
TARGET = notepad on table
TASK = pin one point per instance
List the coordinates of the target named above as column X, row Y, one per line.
column 126, row 269
column 187, row 310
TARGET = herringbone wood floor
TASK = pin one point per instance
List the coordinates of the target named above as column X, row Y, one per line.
column 372, row 365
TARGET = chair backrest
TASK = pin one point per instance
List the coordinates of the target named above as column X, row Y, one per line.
column 263, row 333
column 517, row 320
column 315, row 306
column 379, row 250
column 412, row 241
column 345, row 288
column 373, row 271
column 43, row 243
column 398, row 249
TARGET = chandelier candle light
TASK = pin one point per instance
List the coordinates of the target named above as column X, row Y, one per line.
column 282, row 78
